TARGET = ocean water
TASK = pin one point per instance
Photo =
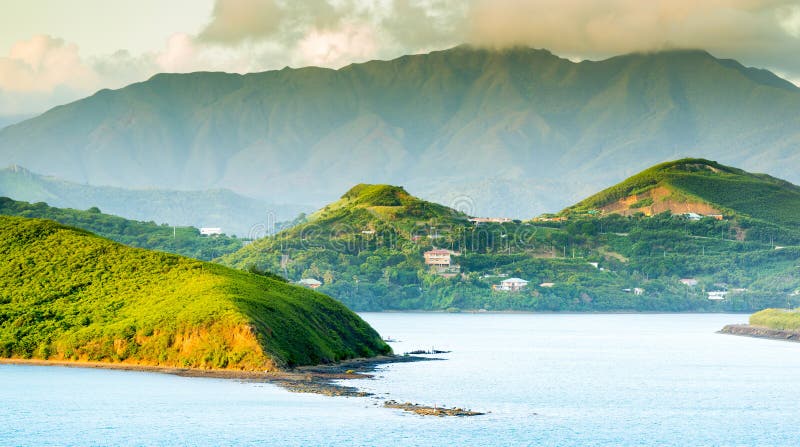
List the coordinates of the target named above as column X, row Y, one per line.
column 548, row 380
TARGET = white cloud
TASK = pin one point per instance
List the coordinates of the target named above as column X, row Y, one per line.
column 338, row 47
column 42, row 64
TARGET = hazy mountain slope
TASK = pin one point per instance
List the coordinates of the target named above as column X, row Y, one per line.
column 435, row 123
column 234, row 213
column 185, row 241
column 69, row 295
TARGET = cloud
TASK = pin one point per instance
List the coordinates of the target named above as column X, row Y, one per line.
column 257, row 35
column 43, row 63
column 338, row 47
column 234, row 21
column 760, row 32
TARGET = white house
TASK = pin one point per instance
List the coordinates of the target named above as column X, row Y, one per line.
column 210, row 231
column 690, row 282
column 311, row 283
column 693, row 216
column 547, row 284
column 511, row 285
column 717, row 295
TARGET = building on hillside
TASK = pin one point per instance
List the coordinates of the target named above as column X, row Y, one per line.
column 311, row 283
column 595, row 264
column 715, row 216
column 510, row 285
column 480, row 220
column 550, row 219
column 210, row 231
column 717, row 295
column 693, row 216
column 638, row 291
column 439, row 257
column 547, row 285
column 690, row 282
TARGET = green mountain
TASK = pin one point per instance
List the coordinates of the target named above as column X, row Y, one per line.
column 69, row 295
column 515, row 132
column 234, row 213
column 368, row 248
column 701, row 187
column 186, row 241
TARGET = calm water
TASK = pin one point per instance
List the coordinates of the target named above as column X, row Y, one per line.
column 583, row 380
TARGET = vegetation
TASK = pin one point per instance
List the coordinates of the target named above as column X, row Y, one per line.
column 518, row 130
column 367, row 250
column 705, row 182
column 234, row 213
column 781, row 319
column 185, row 241
column 66, row 294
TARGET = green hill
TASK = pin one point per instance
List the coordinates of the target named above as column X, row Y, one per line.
column 352, row 238
column 185, row 241
column 518, row 131
column 703, row 187
column 368, row 248
column 234, row 213
column 69, row 295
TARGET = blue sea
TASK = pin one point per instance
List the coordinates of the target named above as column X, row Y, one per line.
column 546, row 379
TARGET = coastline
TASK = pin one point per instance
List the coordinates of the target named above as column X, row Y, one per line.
column 317, row 379
column 746, row 330
column 311, row 379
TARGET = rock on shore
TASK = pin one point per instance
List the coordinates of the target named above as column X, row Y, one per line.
column 760, row 332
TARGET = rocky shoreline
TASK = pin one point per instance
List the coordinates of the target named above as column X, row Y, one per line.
column 318, row 379
column 747, row 330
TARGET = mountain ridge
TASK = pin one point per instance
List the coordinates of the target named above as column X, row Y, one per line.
column 543, row 128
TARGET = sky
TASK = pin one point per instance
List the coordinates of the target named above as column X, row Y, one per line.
column 56, row 51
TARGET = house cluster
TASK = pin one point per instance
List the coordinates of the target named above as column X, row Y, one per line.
column 719, row 293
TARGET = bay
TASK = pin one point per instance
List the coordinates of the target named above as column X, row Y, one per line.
column 546, row 379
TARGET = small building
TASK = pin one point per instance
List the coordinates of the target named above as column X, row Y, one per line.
column 715, row 216
column 511, row 285
column 638, row 291
column 210, row 231
column 690, row 282
column 717, row 295
column 693, row 216
column 480, row 220
column 595, row 264
column 311, row 283
column 547, row 285
column 439, row 257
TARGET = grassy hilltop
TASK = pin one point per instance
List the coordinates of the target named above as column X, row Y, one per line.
column 66, row 294
column 700, row 186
